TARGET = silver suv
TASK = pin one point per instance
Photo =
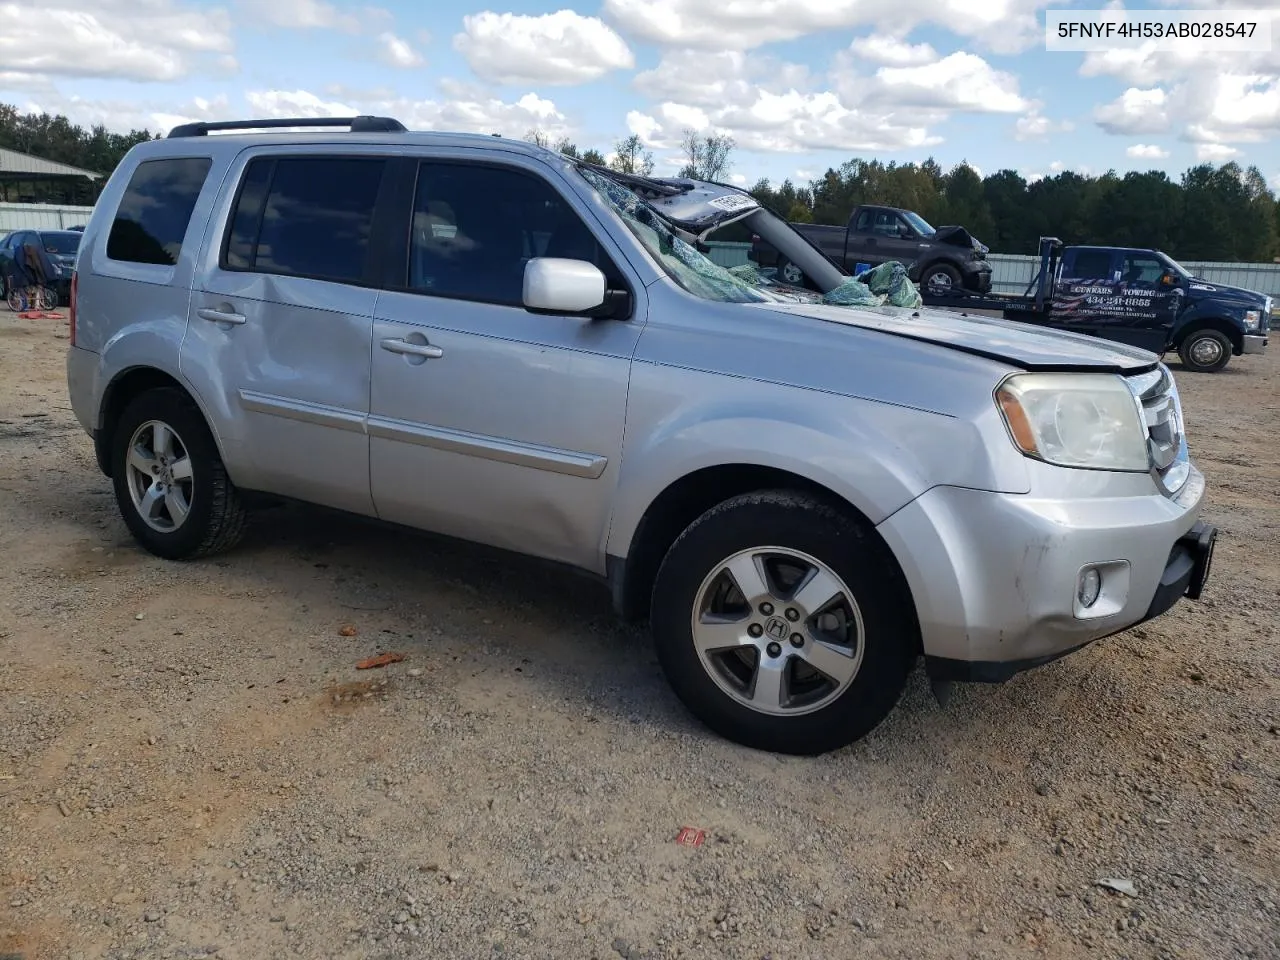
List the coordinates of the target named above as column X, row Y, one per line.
column 482, row 338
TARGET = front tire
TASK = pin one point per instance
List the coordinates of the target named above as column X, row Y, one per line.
column 1205, row 351
column 170, row 483
column 790, row 274
column 783, row 624
column 941, row 280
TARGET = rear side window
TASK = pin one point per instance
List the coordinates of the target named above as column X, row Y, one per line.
column 305, row 217
column 154, row 213
column 1090, row 265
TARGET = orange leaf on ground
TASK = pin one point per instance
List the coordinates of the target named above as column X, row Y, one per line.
column 348, row 631
column 381, row 660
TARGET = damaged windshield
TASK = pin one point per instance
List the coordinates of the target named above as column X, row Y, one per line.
column 886, row 284
column 681, row 260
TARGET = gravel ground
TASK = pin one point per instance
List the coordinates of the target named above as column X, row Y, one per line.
column 191, row 765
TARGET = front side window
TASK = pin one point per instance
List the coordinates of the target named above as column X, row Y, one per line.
column 1142, row 268
column 155, row 211
column 305, row 217
column 475, row 227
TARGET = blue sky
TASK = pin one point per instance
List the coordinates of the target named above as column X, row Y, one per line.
column 800, row 84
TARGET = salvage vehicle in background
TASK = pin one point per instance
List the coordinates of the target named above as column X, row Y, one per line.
column 939, row 260
column 802, row 498
column 1137, row 296
column 60, row 248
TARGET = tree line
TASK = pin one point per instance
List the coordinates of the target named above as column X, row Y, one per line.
column 1209, row 213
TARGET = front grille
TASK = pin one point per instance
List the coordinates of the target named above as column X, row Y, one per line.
column 1157, row 397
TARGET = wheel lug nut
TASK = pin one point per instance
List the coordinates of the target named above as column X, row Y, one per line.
column 766, row 608
column 774, row 649
column 797, row 640
column 755, row 630
column 793, row 614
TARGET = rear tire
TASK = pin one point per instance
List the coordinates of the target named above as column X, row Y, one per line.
column 1205, row 351
column 786, row 672
column 790, row 274
column 170, row 483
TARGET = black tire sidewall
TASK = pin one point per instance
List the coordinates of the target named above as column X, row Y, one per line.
column 944, row 268
column 1185, row 352
column 857, row 556
column 173, row 409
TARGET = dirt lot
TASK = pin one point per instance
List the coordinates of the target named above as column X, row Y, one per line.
column 190, row 765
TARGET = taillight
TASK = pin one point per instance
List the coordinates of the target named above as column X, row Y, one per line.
column 71, row 309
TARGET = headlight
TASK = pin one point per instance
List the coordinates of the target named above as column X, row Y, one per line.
column 1252, row 318
column 1075, row 420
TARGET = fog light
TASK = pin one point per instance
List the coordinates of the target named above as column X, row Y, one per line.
column 1089, row 588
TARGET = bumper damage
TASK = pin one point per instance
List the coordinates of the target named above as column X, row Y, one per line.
column 1185, row 575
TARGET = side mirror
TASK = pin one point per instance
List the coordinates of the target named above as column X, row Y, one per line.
column 553, row 285
column 1169, row 280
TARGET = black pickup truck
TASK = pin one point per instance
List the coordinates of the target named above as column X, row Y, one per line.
column 942, row 259
column 1140, row 297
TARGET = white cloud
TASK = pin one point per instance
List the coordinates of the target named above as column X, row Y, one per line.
column 148, row 40
column 1147, row 151
column 1036, row 126
column 1215, row 152
column 790, row 122
column 1003, row 26
column 397, row 52
column 771, row 105
column 479, row 115
column 1057, row 166
column 1136, row 111
column 738, row 179
column 1218, row 97
column 557, row 48
column 123, row 116
column 892, row 52
column 312, row 15
column 961, row 81
column 726, row 77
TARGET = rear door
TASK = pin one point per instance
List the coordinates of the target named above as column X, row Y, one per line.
column 281, row 319
column 860, row 241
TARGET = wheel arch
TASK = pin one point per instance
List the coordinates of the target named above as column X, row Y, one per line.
column 121, row 390
column 1224, row 326
column 631, row 577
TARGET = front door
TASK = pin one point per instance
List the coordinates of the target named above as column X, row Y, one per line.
column 281, row 319
column 1145, row 307
column 489, row 422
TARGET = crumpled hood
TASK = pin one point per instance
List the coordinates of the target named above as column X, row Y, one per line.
column 1017, row 344
column 960, row 237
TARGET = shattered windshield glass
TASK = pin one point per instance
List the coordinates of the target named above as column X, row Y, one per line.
column 884, row 285
column 682, row 261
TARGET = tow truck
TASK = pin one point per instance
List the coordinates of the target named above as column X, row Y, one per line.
column 1141, row 297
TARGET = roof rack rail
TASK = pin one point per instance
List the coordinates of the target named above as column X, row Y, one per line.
column 360, row 124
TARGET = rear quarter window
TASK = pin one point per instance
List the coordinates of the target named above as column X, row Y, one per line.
column 155, row 211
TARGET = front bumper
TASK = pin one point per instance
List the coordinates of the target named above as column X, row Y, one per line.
column 1254, row 343
column 977, row 277
column 995, row 576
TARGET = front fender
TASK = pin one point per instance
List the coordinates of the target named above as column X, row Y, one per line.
column 878, row 457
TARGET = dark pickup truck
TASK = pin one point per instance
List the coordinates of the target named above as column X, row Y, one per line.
column 1140, row 297
column 941, row 260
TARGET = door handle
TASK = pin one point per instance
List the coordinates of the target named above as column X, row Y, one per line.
column 416, row 349
column 219, row 316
